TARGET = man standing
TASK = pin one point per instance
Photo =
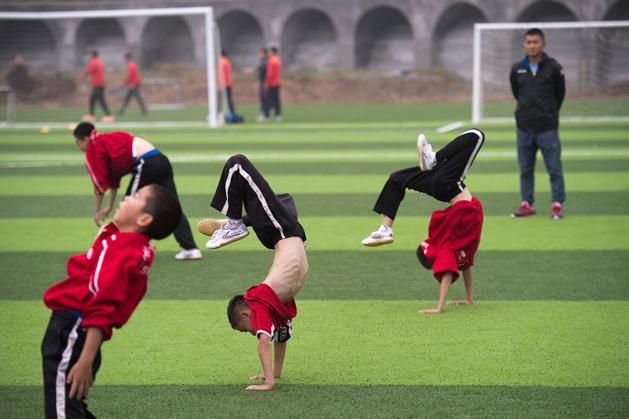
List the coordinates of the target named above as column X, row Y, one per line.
column 95, row 69
column 539, row 86
column 132, row 83
column 225, row 79
column 261, row 71
column 272, row 84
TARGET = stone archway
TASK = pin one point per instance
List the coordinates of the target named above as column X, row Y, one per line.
column 167, row 39
column 241, row 37
column 453, row 39
column 612, row 57
column 32, row 39
column 309, row 40
column 103, row 35
column 384, row 40
column 546, row 11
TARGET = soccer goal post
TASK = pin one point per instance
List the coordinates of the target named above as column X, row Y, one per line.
column 594, row 56
column 51, row 49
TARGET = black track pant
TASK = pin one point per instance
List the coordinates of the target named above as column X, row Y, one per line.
column 98, row 95
column 133, row 92
column 273, row 101
column 241, row 184
column 156, row 169
column 61, row 348
column 443, row 182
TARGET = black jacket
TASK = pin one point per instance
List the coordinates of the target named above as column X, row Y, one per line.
column 539, row 97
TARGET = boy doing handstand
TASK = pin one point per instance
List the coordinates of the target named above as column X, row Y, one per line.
column 102, row 289
column 265, row 310
column 454, row 232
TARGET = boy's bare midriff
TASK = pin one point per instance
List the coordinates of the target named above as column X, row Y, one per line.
column 288, row 271
column 141, row 146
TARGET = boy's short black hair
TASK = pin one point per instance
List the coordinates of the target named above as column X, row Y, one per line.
column 84, row 129
column 233, row 307
column 426, row 263
column 94, row 53
column 535, row 32
column 165, row 209
column 274, row 50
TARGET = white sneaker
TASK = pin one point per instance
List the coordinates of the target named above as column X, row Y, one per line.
column 379, row 237
column 228, row 233
column 260, row 118
column 278, row 118
column 189, row 254
column 427, row 158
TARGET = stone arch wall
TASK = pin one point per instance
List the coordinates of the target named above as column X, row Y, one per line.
column 35, row 40
column 167, row 39
column 103, row 35
column 309, row 40
column 241, row 36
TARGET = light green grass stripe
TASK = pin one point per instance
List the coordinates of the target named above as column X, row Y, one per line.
column 198, row 184
column 548, row 343
column 345, row 233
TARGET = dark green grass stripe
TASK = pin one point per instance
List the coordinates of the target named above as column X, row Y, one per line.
column 332, row 168
column 198, row 206
column 318, row 401
column 352, row 275
column 230, row 147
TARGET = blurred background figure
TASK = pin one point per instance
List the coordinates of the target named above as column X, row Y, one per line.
column 272, row 84
column 225, row 79
column 132, row 83
column 95, row 69
column 261, row 71
column 19, row 78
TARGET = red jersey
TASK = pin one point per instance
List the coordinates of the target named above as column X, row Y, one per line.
column 96, row 69
column 225, row 69
column 453, row 237
column 107, row 283
column 133, row 75
column 108, row 158
column 268, row 315
column 273, row 71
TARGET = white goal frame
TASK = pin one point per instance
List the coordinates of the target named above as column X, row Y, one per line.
column 477, row 91
column 210, row 30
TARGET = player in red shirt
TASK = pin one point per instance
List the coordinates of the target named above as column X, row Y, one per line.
column 454, row 232
column 101, row 291
column 267, row 309
column 225, row 79
column 272, row 84
column 110, row 156
column 95, row 69
column 132, row 82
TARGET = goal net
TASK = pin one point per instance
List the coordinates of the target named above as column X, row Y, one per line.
column 594, row 56
column 43, row 57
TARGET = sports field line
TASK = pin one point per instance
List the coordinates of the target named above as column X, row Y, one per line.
column 79, row 184
column 345, row 233
column 519, row 343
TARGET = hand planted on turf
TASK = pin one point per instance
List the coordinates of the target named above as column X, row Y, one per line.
column 81, row 379
column 430, row 311
column 460, row 302
column 260, row 387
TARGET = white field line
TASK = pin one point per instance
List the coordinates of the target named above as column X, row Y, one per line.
column 21, row 161
column 450, row 127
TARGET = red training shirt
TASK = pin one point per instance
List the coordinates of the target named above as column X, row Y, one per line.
column 268, row 314
column 133, row 74
column 107, row 283
column 453, row 237
column 108, row 158
column 96, row 69
column 273, row 72
column 225, row 69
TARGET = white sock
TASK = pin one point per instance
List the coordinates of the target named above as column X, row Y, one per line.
column 385, row 229
column 234, row 221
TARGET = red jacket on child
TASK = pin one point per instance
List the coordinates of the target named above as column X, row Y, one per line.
column 106, row 284
column 453, row 237
column 268, row 314
column 108, row 158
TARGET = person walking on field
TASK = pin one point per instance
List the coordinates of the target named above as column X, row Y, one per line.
column 273, row 83
column 132, row 82
column 538, row 84
column 261, row 71
column 95, row 69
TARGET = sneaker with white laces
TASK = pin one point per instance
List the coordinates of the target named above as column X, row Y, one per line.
column 208, row 226
column 189, row 254
column 427, row 158
column 379, row 237
column 230, row 232
column 556, row 211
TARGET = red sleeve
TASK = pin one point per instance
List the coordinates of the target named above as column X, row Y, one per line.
column 97, row 165
column 89, row 68
column 261, row 320
column 271, row 72
column 445, row 261
column 109, row 286
column 466, row 230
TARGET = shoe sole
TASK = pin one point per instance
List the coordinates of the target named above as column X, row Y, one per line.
column 378, row 243
column 521, row 215
column 225, row 243
column 208, row 226
column 189, row 258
